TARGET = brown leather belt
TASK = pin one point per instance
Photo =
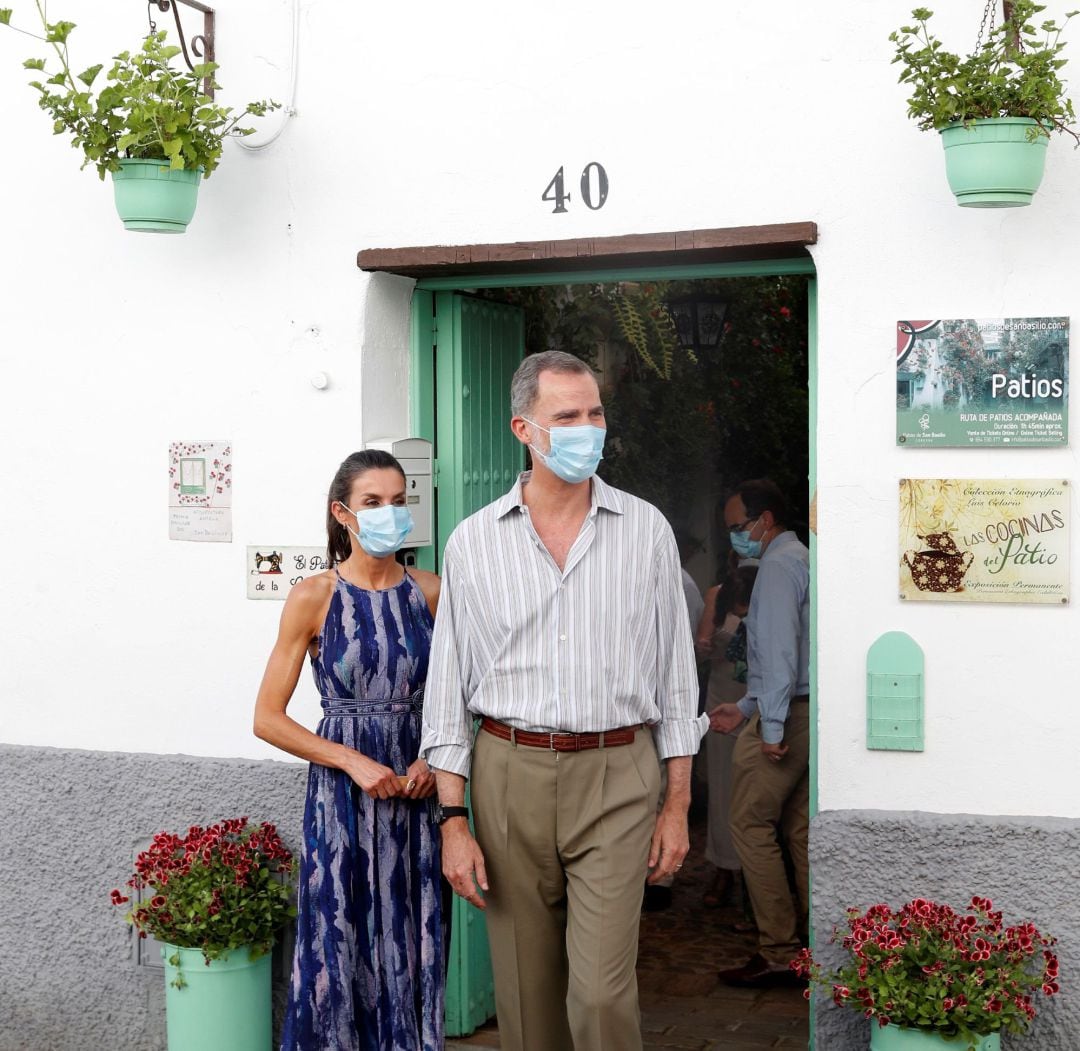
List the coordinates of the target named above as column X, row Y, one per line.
column 802, row 697
column 561, row 742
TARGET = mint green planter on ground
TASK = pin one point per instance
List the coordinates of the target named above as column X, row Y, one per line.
column 991, row 164
column 894, row 1038
column 154, row 198
column 225, row 1006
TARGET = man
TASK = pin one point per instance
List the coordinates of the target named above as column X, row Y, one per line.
column 771, row 766
column 563, row 626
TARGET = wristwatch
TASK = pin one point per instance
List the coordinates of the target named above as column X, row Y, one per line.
column 444, row 813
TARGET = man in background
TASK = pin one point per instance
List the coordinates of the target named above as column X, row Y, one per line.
column 771, row 781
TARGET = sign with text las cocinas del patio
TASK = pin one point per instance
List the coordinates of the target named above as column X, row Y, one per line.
column 984, row 540
column 982, row 382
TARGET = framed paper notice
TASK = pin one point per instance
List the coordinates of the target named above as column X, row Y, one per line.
column 982, row 382
column 984, row 540
column 200, row 491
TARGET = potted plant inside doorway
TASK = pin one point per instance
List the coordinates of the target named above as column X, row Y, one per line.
column 216, row 897
column 996, row 107
column 152, row 126
column 933, row 979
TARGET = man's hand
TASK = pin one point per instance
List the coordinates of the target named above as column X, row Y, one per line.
column 670, row 843
column 726, row 718
column 463, row 861
column 775, row 752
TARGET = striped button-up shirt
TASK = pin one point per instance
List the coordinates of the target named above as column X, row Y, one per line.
column 600, row 644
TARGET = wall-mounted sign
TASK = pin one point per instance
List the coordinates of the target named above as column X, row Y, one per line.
column 200, row 491
column 982, row 382
column 273, row 571
column 984, row 540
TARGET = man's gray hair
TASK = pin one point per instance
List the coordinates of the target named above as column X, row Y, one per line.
column 525, row 386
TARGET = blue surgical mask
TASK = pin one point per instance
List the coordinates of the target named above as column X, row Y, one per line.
column 575, row 452
column 744, row 546
column 382, row 529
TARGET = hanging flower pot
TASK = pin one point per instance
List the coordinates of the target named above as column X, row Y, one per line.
column 994, row 163
column 152, row 197
column 217, row 1005
column 895, row 1038
column 995, row 107
column 156, row 128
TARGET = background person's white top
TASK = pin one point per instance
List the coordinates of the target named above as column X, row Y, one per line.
column 602, row 644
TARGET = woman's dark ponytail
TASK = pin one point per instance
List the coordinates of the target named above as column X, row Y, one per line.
column 337, row 536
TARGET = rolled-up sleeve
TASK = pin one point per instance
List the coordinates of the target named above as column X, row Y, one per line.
column 446, row 742
column 680, row 729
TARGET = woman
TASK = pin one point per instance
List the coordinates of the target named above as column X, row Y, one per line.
column 721, row 639
column 369, row 964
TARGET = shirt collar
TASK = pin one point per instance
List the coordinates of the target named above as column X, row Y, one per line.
column 602, row 495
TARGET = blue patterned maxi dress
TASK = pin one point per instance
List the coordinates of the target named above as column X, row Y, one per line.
column 368, row 970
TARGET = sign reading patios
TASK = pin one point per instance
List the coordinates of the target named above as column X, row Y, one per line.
column 984, row 540
column 982, row 382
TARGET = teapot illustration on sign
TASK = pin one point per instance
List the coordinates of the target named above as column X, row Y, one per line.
column 941, row 567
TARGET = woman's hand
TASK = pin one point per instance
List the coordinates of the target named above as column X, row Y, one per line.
column 378, row 781
column 422, row 779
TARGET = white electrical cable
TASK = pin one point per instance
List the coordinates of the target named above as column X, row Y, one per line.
column 289, row 110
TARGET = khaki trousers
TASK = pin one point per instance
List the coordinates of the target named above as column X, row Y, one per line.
column 565, row 837
column 771, row 800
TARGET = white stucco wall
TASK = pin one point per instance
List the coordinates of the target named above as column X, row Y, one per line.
column 423, row 124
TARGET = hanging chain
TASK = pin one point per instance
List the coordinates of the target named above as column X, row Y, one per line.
column 989, row 12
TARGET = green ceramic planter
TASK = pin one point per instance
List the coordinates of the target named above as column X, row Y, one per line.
column 151, row 197
column 894, row 1038
column 991, row 164
column 225, row 1006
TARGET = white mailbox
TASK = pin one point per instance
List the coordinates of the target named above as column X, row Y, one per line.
column 414, row 455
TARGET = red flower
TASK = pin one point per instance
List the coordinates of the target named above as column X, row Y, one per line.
column 118, row 898
column 157, row 901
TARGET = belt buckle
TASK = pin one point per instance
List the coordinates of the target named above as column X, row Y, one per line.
column 560, row 733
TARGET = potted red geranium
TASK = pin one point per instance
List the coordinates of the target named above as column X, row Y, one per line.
column 930, row 977
column 216, row 897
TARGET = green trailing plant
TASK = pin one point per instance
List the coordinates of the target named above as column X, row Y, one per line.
column 648, row 328
column 1015, row 72
column 148, row 108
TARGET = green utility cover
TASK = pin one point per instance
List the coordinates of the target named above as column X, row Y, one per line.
column 894, row 693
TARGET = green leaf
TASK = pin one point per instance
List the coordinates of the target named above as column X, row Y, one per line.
column 58, row 33
column 34, row 63
column 5, row 16
column 88, row 76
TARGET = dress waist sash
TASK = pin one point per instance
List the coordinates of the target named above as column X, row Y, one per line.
column 336, row 707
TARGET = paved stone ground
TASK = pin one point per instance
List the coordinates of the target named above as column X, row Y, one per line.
column 684, row 1007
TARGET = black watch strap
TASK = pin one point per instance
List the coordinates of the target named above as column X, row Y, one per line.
column 444, row 813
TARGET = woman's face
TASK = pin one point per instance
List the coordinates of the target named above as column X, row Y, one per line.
column 374, row 488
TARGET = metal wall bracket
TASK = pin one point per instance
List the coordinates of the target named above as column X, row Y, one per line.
column 201, row 45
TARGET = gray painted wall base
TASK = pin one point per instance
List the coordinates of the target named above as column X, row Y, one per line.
column 1028, row 866
column 69, row 824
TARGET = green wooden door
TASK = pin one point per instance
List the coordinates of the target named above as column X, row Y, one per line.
column 465, row 351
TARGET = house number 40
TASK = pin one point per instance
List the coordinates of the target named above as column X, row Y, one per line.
column 594, row 188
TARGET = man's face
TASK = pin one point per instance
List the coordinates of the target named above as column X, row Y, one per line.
column 563, row 399
column 736, row 519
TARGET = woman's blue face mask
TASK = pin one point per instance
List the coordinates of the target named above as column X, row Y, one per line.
column 575, row 452
column 382, row 530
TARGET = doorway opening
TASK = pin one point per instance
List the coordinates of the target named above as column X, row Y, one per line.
column 707, row 372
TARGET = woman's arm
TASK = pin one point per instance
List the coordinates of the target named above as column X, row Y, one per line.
column 300, row 623
column 430, row 585
column 703, row 638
